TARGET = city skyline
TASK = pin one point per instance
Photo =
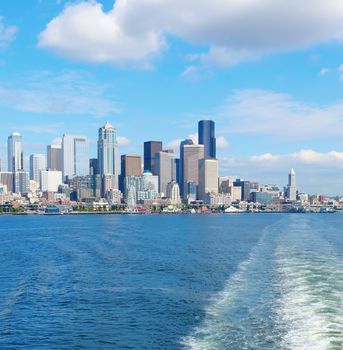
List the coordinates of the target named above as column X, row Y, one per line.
column 85, row 162
column 274, row 109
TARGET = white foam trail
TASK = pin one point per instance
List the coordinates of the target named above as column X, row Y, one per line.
column 288, row 295
column 221, row 329
column 310, row 310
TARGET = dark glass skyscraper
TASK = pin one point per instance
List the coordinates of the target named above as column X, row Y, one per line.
column 206, row 131
column 150, row 149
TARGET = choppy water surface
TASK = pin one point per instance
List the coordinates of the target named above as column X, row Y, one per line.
column 172, row 282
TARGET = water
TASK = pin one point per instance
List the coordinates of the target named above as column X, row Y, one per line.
column 172, row 282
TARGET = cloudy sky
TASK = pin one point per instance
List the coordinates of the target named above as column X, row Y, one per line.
column 269, row 72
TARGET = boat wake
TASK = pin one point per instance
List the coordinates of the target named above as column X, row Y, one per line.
column 287, row 295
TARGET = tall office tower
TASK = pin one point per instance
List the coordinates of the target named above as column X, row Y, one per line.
column 37, row 164
column 206, row 131
column 150, row 149
column 291, row 188
column 208, row 177
column 7, row 179
column 191, row 156
column 108, row 152
column 15, row 152
column 131, row 165
column 21, row 182
column 74, row 156
column 93, row 166
column 54, row 157
column 164, row 167
column 181, row 172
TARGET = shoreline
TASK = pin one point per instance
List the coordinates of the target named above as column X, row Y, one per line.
column 148, row 213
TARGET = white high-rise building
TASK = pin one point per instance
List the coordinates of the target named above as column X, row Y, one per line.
column 37, row 164
column 75, row 156
column 51, row 180
column 15, row 152
column 108, row 152
column 208, row 177
column 291, row 188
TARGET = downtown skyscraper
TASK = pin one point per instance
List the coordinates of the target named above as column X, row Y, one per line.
column 291, row 188
column 75, row 157
column 37, row 164
column 206, row 132
column 15, row 152
column 108, row 153
column 151, row 148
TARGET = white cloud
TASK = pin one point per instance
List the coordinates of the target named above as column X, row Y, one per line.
column 123, row 141
column 222, row 143
column 234, row 30
column 83, row 31
column 265, row 112
column 324, row 71
column 174, row 144
column 7, row 34
column 64, row 93
column 317, row 172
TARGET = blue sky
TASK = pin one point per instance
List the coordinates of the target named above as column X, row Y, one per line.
column 268, row 72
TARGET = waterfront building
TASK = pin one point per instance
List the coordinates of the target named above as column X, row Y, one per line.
column 7, row 178
column 87, row 187
column 247, row 187
column 93, row 166
column 291, row 188
column 150, row 150
column 131, row 165
column 37, row 164
column 191, row 156
column 235, row 193
column 164, row 167
column 264, row 198
column 206, row 132
column 21, row 182
column 51, row 180
column 113, row 197
column 54, row 157
column 15, row 153
column 173, row 193
column 146, row 186
column 74, row 156
column 108, row 152
column 217, row 199
column 208, row 177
